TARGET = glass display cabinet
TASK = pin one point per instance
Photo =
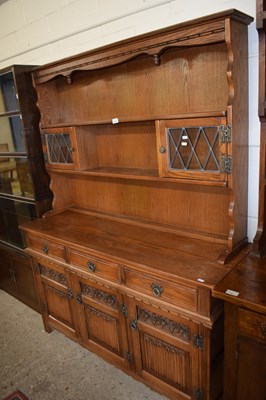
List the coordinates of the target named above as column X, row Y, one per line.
column 24, row 186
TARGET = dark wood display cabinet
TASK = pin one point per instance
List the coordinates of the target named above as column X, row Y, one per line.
column 147, row 156
column 24, row 185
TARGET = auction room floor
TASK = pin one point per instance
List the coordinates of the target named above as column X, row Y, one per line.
column 51, row 367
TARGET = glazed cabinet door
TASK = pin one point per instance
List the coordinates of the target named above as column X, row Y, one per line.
column 56, row 298
column 194, row 148
column 60, row 148
column 102, row 316
column 164, row 351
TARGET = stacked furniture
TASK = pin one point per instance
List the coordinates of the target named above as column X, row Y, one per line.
column 244, row 288
column 145, row 142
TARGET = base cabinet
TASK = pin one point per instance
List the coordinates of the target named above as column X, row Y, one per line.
column 168, row 351
column 16, row 277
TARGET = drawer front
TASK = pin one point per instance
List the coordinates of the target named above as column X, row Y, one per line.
column 47, row 248
column 177, row 294
column 252, row 324
column 94, row 266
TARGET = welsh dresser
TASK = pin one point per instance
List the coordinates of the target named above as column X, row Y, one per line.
column 145, row 142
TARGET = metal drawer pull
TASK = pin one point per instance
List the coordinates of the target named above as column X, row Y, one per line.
column 45, row 249
column 91, row 266
column 69, row 294
column 156, row 289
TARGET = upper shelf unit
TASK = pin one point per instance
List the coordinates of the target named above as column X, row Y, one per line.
column 137, row 119
column 182, row 70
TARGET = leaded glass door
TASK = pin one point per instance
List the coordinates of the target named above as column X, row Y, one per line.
column 194, row 148
column 59, row 146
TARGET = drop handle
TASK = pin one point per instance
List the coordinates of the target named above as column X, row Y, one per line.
column 91, row 266
column 157, row 290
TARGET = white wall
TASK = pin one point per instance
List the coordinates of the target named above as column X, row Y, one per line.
column 37, row 32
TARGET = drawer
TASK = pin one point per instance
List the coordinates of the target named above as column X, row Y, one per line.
column 252, row 324
column 177, row 294
column 94, row 266
column 45, row 247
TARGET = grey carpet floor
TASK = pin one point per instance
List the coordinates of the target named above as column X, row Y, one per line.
column 51, row 367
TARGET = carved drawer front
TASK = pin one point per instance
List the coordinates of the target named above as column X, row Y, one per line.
column 47, row 248
column 177, row 294
column 252, row 324
column 94, row 266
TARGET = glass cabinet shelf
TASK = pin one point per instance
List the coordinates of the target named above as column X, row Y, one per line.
column 13, row 213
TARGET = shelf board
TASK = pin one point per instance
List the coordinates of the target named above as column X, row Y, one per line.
column 151, row 175
column 137, row 118
column 21, row 154
column 10, row 113
column 22, row 199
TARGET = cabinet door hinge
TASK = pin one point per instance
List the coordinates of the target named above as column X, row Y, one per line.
column 43, row 307
column 79, row 298
column 13, row 276
column 198, row 394
column 45, row 156
column 124, row 309
column 69, row 294
column 43, row 140
column 128, row 356
column 134, row 324
column 226, row 164
column 37, row 268
column 198, row 341
column 226, row 133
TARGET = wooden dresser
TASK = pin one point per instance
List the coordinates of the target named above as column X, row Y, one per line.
column 145, row 143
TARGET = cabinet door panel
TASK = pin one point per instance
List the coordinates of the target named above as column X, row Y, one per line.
column 164, row 352
column 56, row 297
column 57, row 304
column 251, row 370
column 108, row 334
column 60, row 148
column 193, row 148
column 104, row 328
column 25, row 281
column 168, row 362
column 7, row 281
